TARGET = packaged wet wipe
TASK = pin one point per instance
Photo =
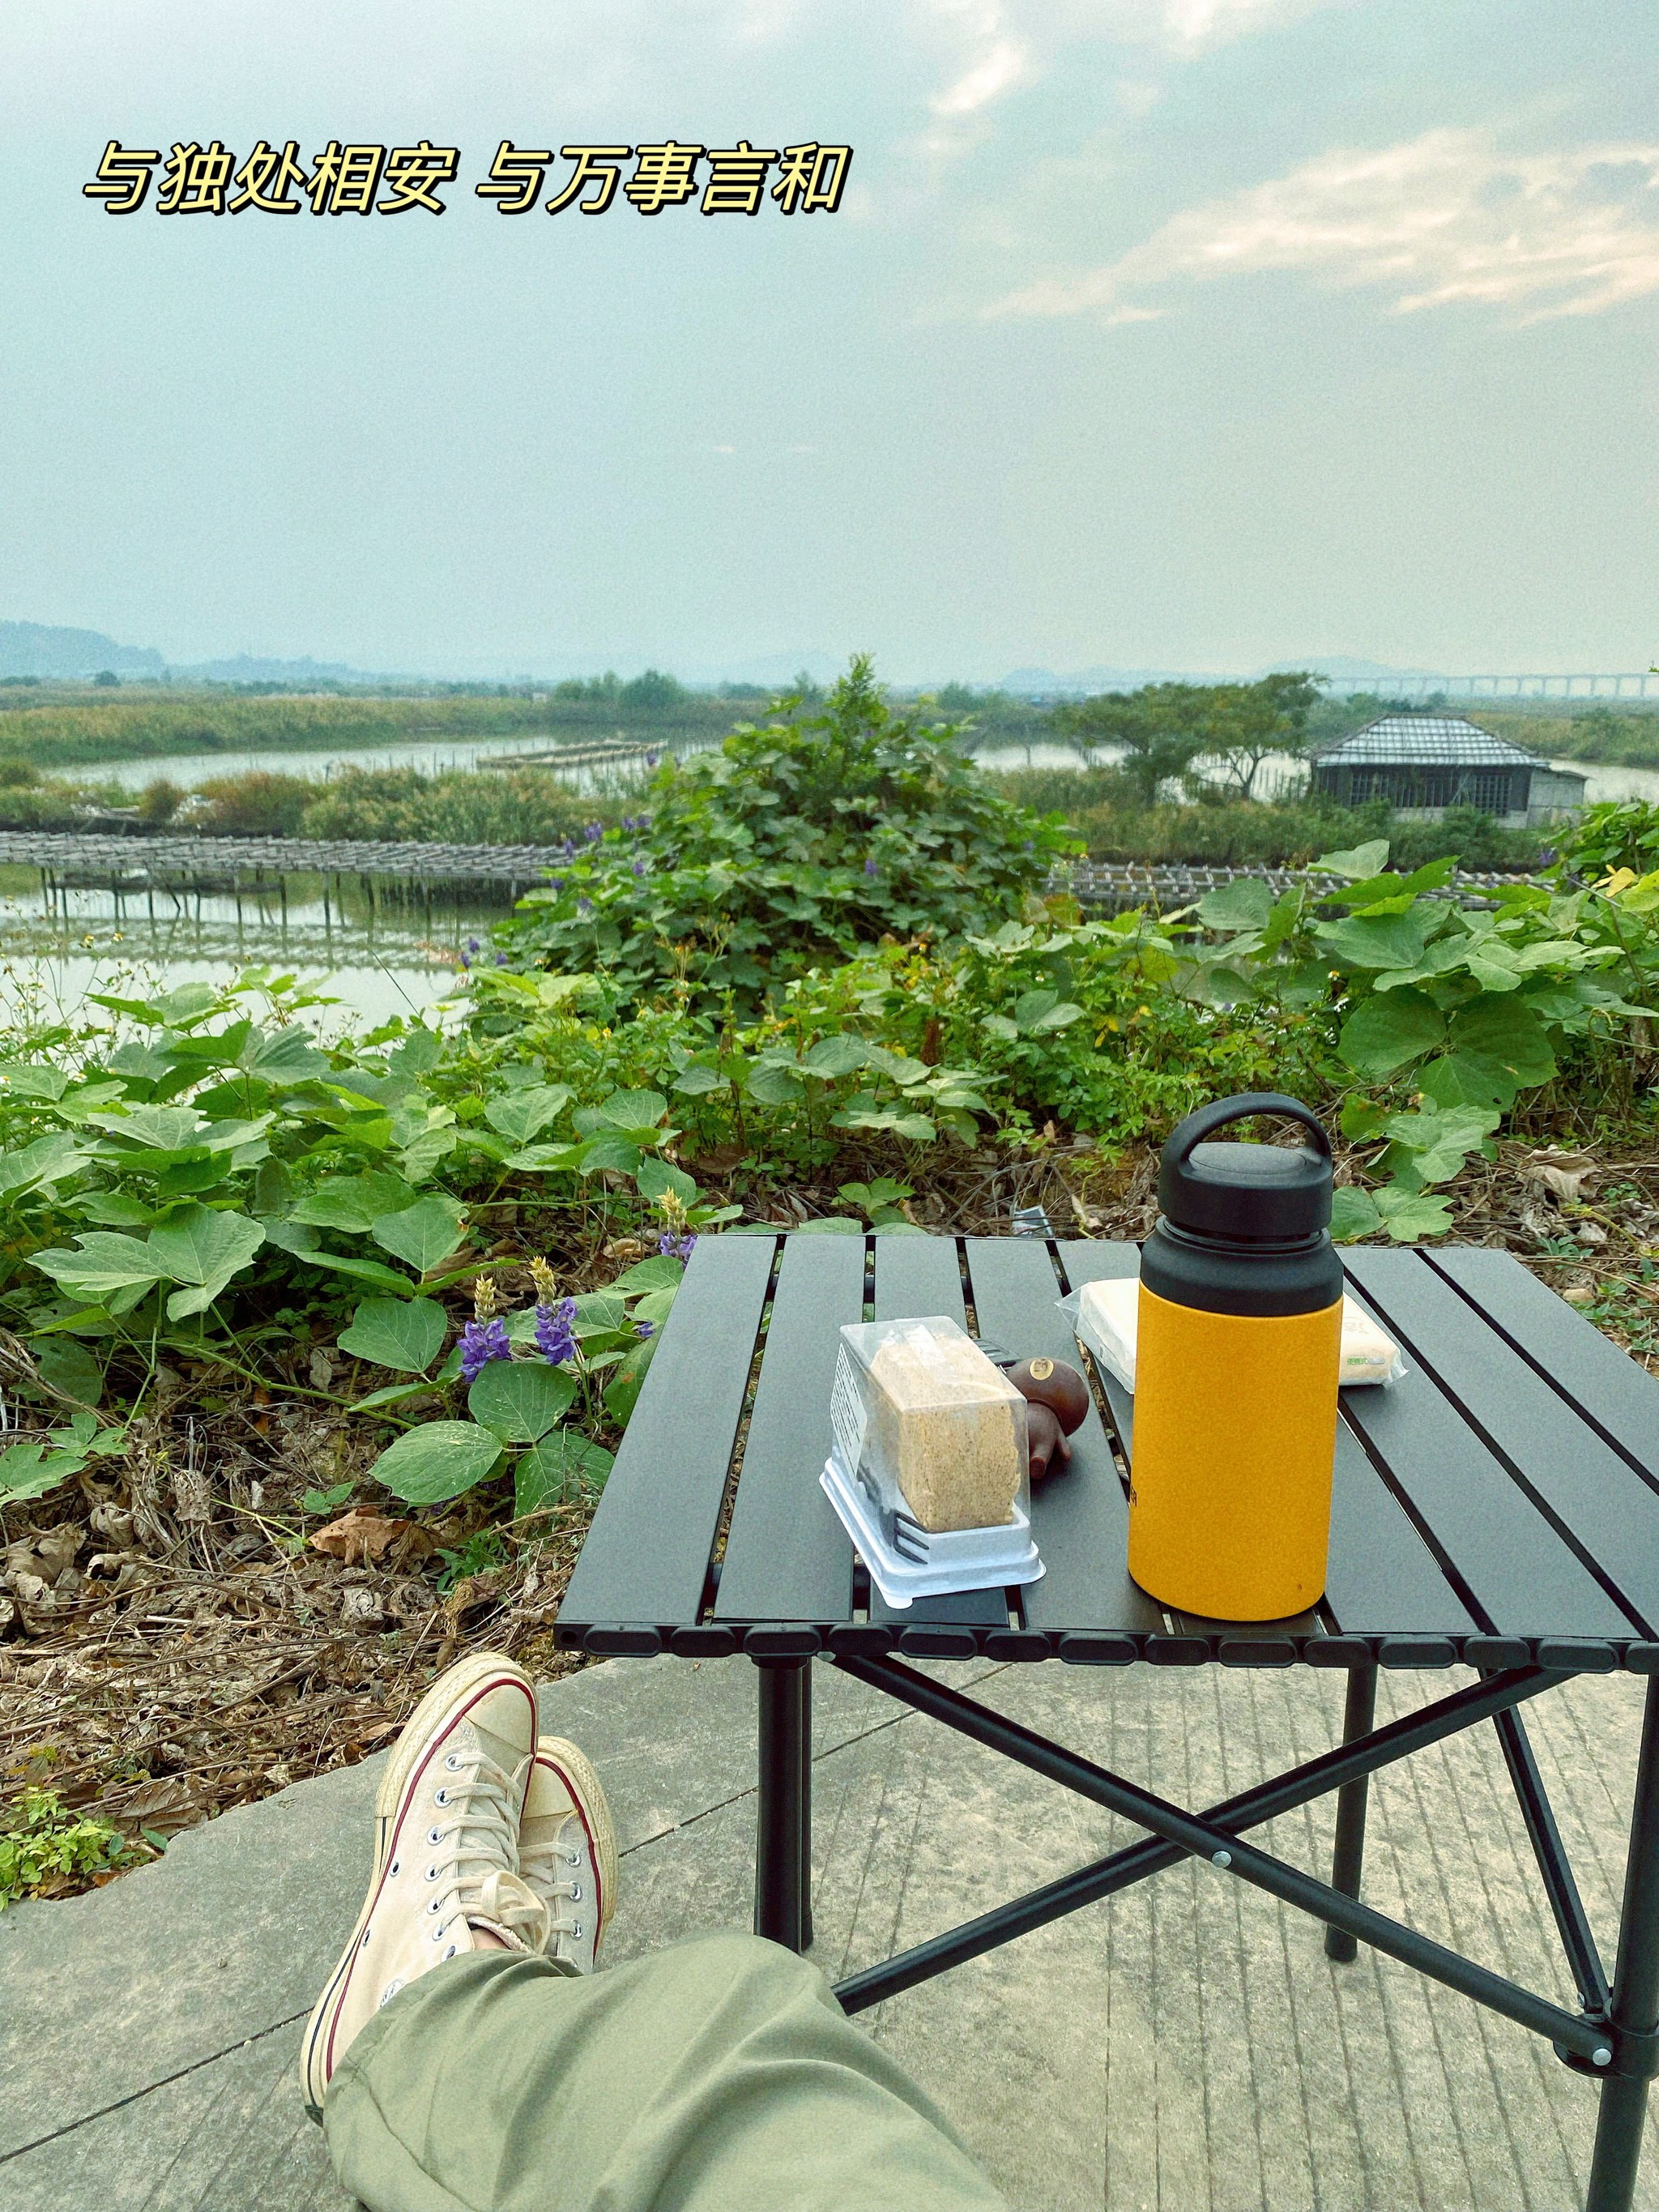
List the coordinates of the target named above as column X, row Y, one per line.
column 1104, row 1320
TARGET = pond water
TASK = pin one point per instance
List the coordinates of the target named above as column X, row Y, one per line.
column 377, row 954
column 188, row 768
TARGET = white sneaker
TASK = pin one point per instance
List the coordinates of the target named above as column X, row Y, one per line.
column 446, row 1857
column 567, row 1853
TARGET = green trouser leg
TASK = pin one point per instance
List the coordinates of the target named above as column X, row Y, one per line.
column 720, row 2076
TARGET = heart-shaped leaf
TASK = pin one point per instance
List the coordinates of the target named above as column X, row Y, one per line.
column 157, row 1128
column 656, row 1273
column 48, row 1160
column 1353, row 1215
column 841, row 1055
column 561, row 1467
column 438, row 1460
column 1244, row 904
column 203, row 1249
column 523, row 1115
column 635, row 1109
column 68, row 1366
column 353, row 1202
column 545, row 1159
column 406, row 1334
column 623, row 1392
column 1364, row 861
column 656, row 1177
column 520, row 1400
column 104, row 1263
column 610, row 1149
column 31, row 1470
column 424, row 1234
column 1386, row 1032
column 774, row 1085
column 282, row 1057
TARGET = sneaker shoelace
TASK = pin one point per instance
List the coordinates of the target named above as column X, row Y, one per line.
column 541, row 1864
column 473, row 1868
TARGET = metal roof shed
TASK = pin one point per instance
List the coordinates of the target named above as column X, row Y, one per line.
column 1421, row 764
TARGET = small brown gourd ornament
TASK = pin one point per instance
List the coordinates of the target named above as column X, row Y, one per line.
column 1058, row 1398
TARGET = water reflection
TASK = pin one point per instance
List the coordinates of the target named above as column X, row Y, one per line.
column 384, row 948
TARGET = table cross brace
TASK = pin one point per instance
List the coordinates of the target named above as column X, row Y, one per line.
column 1214, row 1837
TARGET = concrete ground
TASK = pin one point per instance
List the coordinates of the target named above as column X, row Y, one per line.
column 1185, row 2046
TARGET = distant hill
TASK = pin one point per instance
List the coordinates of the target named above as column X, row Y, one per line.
column 42, row 649
column 244, row 668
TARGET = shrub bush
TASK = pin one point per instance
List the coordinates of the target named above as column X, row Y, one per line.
column 794, row 843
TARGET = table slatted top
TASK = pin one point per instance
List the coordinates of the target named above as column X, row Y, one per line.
column 1498, row 1505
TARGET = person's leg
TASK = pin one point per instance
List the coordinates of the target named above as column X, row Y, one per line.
column 720, row 2076
column 464, row 2056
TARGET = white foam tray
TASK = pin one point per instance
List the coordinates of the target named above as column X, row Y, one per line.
column 962, row 1559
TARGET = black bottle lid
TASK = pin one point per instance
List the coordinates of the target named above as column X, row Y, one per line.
column 1253, row 1193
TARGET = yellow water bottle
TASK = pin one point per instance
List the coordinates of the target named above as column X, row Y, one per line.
column 1237, row 1355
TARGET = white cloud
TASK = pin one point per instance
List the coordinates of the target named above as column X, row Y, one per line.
column 1442, row 218
column 989, row 47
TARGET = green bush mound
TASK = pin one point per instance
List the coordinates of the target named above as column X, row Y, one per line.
column 798, row 840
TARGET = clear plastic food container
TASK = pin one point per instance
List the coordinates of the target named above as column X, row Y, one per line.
column 929, row 1471
column 928, row 1428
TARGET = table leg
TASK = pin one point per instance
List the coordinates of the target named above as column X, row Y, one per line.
column 1635, row 1985
column 1357, row 1720
column 783, row 1840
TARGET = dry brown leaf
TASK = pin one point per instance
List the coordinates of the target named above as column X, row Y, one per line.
column 358, row 1536
column 1564, row 1173
column 165, row 1805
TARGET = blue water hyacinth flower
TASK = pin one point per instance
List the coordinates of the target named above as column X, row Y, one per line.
column 481, row 1342
column 555, row 1331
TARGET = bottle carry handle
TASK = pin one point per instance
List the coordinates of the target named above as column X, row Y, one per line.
column 1206, row 1120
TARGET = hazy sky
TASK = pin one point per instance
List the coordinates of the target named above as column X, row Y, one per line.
column 1179, row 333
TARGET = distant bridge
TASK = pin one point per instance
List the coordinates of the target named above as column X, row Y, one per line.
column 1627, row 686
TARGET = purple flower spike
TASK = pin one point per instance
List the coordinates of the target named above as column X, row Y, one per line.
column 501, row 960
column 594, row 832
column 466, row 963
column 481, row 1342
column 670, row 1247
column 584, row 906
column 555, row 1331
column 472, row 943
column 645, row 1328
column 641, row 869
column 870, row 868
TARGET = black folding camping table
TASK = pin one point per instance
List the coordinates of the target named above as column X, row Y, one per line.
column 1496, row 1508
